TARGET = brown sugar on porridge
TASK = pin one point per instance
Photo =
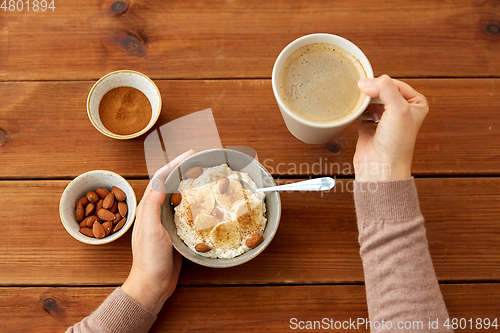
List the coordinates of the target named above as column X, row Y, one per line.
column 217, row 217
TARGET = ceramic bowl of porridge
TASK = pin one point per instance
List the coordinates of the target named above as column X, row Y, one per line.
column 214, row 216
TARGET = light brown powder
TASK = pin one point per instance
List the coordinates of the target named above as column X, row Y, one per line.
column 125, row 110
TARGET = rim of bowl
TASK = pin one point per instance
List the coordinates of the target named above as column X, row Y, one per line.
column 104, row 240
column 196, row 259
column 129, row 136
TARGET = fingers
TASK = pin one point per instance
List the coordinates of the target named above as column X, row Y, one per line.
column 162, row 173
column 157, row 183
column 385, row 88
column 376, row 111
column 150, row 209
column 406, row 90
column 366, row 130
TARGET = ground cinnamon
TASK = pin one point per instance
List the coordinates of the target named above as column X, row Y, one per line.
column 125, row 110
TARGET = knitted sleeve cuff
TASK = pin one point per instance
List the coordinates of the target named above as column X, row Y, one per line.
column 388, row 200
column 120, row 313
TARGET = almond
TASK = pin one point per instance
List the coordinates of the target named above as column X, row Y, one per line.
column 105, row 215
column 254, row 241
column 102, row 192
column 89, row 209
column 84, row 201
column 98, row 230
column 175, row 199
column 119, row 194
column 87, row 232
column 98, row 205
column 120, row 224
column 108, row 201
column 83, row 224
column 114, row 208
column 117, row 218
column 79, row 213
column 217, row 214
column 194, row 172
column 202, row 247
column 107, row 227
column 92, row 196
column 122, row 208
column 223, row 185
column 89, row 221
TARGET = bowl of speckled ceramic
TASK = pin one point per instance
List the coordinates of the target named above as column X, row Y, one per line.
column 123, row 78
column 78, row 188
column 237, row 161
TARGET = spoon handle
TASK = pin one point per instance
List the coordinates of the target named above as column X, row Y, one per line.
column 318, row 184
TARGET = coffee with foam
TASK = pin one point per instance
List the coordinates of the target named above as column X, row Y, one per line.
column 319, row 83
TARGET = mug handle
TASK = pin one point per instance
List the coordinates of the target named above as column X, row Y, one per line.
column 367, row 116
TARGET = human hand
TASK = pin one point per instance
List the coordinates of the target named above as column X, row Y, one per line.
column 385, row 150
column 155, row 266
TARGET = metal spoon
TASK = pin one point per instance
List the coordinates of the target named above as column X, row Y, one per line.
column 318, row 184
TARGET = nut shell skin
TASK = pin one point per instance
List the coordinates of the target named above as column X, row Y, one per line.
column 89, row 209
column 194, row 172
column 105, row 215
column 108, row 201
column 92, row 196
column 84, row 201
column 108, row 226
column 120, row 224
column 202, row 247
column 89, row 221
column 254, row 241
column 122, row 208
column 176, row 199
column 119, row 194
column 87, row 232
column 98, row 230
column 102, row 192
column 79, row 213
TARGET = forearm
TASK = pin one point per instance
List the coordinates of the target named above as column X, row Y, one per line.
column 401, row 285
column 118, row 313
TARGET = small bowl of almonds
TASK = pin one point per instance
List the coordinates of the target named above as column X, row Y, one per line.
column 97, row 207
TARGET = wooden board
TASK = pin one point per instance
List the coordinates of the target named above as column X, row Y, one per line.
column 45, row 131
column 267, row 309
column 316, row 241
column 241, row 39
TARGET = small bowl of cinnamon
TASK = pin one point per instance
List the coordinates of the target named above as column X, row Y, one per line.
column 124, row 104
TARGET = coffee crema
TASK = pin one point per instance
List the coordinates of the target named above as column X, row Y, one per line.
column 319, row 83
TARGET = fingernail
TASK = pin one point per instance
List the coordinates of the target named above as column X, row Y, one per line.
column 158, row 185
column 364, row 83
column 376, row 117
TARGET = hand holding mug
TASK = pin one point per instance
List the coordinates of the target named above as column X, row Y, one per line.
column 385, row 150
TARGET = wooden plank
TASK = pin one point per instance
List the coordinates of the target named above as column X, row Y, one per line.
column 4, row 51
column 236, row 39
column 47, row 134
column 266, row 309
column 316, row 241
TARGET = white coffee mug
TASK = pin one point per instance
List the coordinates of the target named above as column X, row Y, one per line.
column 308, row 131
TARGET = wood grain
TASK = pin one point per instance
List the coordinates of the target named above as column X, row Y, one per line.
column 316, row 241
column 48, row 134
column 241, row 39
column 267, row 309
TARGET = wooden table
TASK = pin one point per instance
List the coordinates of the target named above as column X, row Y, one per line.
column 219, row 55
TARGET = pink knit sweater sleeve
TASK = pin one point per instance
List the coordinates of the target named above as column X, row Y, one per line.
column 402, row 290
column 118, row 313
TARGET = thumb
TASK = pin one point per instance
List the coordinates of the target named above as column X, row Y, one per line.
column 385, row 88
column 151, row 210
